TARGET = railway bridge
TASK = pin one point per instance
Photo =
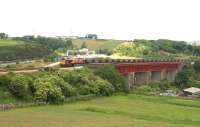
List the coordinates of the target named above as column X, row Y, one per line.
column 144, row 71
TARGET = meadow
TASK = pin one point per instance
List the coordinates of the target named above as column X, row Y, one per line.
column 115, row 111
column 9, row 42
column 93, row 44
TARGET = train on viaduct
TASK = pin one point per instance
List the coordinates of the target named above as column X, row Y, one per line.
column 137, row 71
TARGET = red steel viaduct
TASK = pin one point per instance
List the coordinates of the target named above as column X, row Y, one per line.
column 144, row 71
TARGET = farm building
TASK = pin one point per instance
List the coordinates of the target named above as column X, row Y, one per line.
column 192, row 91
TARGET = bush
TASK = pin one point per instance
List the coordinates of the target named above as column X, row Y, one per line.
column 68, row 90
column 48, row 90
column 110, row 74
column 18, row 85
column 143, row 89
column 105, row 88
column 55, row 86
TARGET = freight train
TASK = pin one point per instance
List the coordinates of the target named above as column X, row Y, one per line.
column 70, row 62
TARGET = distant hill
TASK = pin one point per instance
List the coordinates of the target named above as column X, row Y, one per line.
column 39, row 47
column 20, row 50
column 158, row 49
column 94, row 44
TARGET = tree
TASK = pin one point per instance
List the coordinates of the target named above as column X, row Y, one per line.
column 48, row 90
column 18, row 85
column 3, row 35
column 110, row 74
column 197, row 66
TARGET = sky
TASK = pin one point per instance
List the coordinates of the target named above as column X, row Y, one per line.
column 115, row 19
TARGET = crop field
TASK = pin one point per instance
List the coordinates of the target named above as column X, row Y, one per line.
column 96, row 44
column 116, row 111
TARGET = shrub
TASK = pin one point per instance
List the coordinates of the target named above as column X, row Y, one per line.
column 18, row 85
column 68, row 90
column 105, row 88
column 143, row 89
column 84, row 90
column 48, row 90
column 110, row 74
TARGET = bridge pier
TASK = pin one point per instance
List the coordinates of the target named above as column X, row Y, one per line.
column 136, row 78
column 130, row 80
column 171, row 75
column 156, row 76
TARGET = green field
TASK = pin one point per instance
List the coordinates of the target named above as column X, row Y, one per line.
column 115, row 111
column 96, row 44
column 7, row 42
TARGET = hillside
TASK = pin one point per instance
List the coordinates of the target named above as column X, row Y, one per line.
column 9, row 42
column 116, row 111
column 20, row 50
column 96, row 44
column 158, row 49
column 30, row 47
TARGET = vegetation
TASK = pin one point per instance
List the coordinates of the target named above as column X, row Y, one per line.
column 3, row 35
column 100, row 46
column 30, row 47
column 189, row 76
column 54, row 86
column 158, row 49
column 155, row 88
column 118, row 111
column 23, row 52
column 49, row 42
column 109, row 73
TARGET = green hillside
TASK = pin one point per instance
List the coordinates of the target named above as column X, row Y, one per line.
column 10, row 42
column 158, row 49
column 96, row 44
column 20, row 50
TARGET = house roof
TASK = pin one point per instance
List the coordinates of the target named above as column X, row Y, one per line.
column 192, row 90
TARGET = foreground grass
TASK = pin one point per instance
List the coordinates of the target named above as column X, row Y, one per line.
column 116, row 111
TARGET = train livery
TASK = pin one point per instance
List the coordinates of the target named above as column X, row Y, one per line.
column 70, row 62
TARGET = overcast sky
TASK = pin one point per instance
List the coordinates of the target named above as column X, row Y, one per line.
column 119, row 19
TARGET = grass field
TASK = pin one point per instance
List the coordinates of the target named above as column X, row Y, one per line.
column 96, row 44
column 115, row 111
column 8, row 42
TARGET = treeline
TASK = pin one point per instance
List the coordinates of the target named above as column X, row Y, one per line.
column 158, row 49
column 49, row 42
column 55, row 86
column 23, row 52
column 171, row 46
